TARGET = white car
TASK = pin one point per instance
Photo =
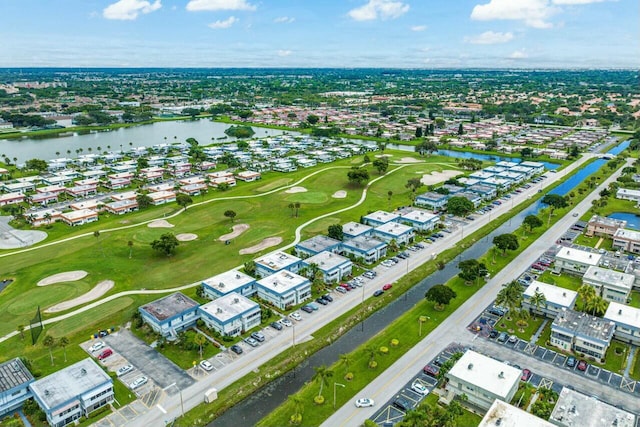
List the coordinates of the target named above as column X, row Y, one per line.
column 419, row 388
column 286, row 322
column 364, row 402
column 96, row 346
column 206, row 365
column 139, row 382
column 296, row 316
column 124, row 370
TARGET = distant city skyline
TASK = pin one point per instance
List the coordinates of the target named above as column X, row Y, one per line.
column 327, row 33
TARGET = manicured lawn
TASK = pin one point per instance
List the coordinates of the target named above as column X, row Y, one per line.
column 467, row 419
column 523, row 395
column 587, row 241
column 614, row 362
column 533, row 323
column 565, row 281
column 635, row 369
column 185, row 358
column 635, row 299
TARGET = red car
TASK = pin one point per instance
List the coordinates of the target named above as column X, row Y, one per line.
column 431, row 370
column 526, row 374
column 582, row 365
column 387, row 287
column 108, row 352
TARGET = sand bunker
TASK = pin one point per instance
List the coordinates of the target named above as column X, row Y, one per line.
column 383, row 155
column 409, row 160
column 186, row 237
column 238, row 229
column 339, row 194
column 95, row 293
column 296, row 190
column 437, row 177
column 67, row 276
column 160, row 223
column 266, row 243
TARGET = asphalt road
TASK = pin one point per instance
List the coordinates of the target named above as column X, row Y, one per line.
column 170, row 406
column 453, row 328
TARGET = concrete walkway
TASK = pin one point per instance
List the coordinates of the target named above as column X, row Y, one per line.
column 630, row 359
column 535, row 336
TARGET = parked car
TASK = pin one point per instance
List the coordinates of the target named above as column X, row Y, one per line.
column 295, row 316
column 571, row 361
column 431, row 370
column 96, row 346
column 503, row 337
column 438, row 361
column 327, row 297
column 236, row 349
column 364, row 402
column 498, row 311
column 206, row 365
column 402, row 404
column 306, row 309
column 124, row 370
column 251, row 341
column 582, row 365
column 108, row 352
column 526, row 375
column 378, row 293
column 275, row 325
column 286, row 322
column 493, row 333
column 321, row 301
column 138, row 382
column 513, row 339
column 341, row 289
column 419, row 388
column 313, row 306
column 387, row 287
column 258, row 336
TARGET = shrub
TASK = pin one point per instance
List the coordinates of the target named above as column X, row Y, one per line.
column 348, row 376
column 373, row 364
column 395, row 342
column 384, row 350
column 318, row 400
column 296, row 419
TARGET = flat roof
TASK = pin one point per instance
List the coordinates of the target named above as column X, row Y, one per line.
column 355, row 228
column 282, row 281
column 623, row 314
column 419, row 215
column 531, row 164
column 584, row 324
column 277, row 260
column 228, row 281
column 605, row 275
column 381, row 216
column 394, row 228
column 169, row 306
column 577, row 409
column 13, row 373
column 326, row 260
column 629, row 191
column 608, row 222
column 486, row 373
column 577, row 255
column 228, row 306
column 553, row 294
column 69, row 383
column 624, row 233
column 363, row 242
column 318, row 243
column 80, row 213
column 502, row 414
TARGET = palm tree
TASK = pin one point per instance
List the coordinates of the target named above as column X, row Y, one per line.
column 298, row 408
column 415, row 418
column 130, row 244
column 346, row 359
column 371, row 352
column 297, row 206
column 47, row 217
column 597, row 306
column 538, row 300
column 322, row 376
column 586, row 293
column 49, row 342
column 96, row 234
column 292, row 207
column 199, row 340
column 510, row 296
column 389, row 194
column 64, row 342
column 393, row 245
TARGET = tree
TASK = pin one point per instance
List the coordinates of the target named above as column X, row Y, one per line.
column 49, row 342
column 381, row 164
column 459, row 206
column 538, row 300
column 531, row 222
column 144, row 201
column 346, row 359
column 510, row 296
column 426, row 147
column 526, row 152
column 555, row 201
column 335, row 232
column 313, row 119
column 292, row 207
column 586, row 293
column 440, row 295
column 419, row 132
column 358, row 176
column 183, row 200
column 460, row 129
column 96, row 234
column 413, row 184
column 143, row 163
column 64, row 342
column 471, row 270
column 298, row 408
column 506, row 242
column 250, row 267
column 130, row 244
column 167, row 244
column 389, row 195
column 296, row 205
column 230, row 214
column 36, row 164
column 371, row 351
column 200, row 340
column 596, row 305
column 322, row 375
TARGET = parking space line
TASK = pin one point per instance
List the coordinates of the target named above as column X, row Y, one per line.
column 161, row 408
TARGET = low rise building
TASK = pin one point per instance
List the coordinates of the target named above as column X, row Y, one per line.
column 14, row 385
column 432, row 200
column 127, row 195
column 79, row 217
column 368, row 249
column 317, row 244
column 248, row 176
column 609, row 284
column 420, row 220
column 162, row 197
column 121, row 207
column 603, row 226
column 171, row 314
column 379, row 218
column 626, row 240
column 43, row 217
column 73, row 392
column 556, row 298
column 393, row 231
column 11, row 199
column 228, row 282
column 276, row 261
column 581, row 333
column 627, row 320
column 502, row 414
column 483, row 379
column 628, row 194
column 577, row 409
column 231, row 315
column 355, row 229
column 575, row 261
column 333, row 267
column 43, row 198
column 284, row 289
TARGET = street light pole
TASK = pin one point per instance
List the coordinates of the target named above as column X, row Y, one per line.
column 334, row 392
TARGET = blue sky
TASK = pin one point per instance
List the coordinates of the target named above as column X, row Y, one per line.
column 321, row 33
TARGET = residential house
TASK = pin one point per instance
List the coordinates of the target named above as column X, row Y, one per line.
column 576, row 409
column 368, row 249
column 609, row 284
column 628, row 194
column 502, row 414
column 627, row 320
column 162, row 197
column 231, row 315
column 420, row 220
column 79, row 217
column 44, row 216
column 355, row 229
column 121, row 207
column 432, row 200
column 379, row 218
column 603, row 226
column 228, row 282
column 581, row 333
column 626, row 240
column 284, row 289
column 171, row 314
column 556, row 298
column 11, row 199
column 575, row 261
column 317, row 244
column 333, row 267
column 248, row 176
column 400, row 233
column 276, row 261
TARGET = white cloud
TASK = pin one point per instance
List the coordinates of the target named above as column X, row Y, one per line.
column 284, row 53
column 573, row 2
column 489, row 37
column 418, row 28
column 198, row 5
column 534, row 13
column 128, row 10
column 383, row 9
column 221, row 25
column 284, row 20
column 518, row 54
